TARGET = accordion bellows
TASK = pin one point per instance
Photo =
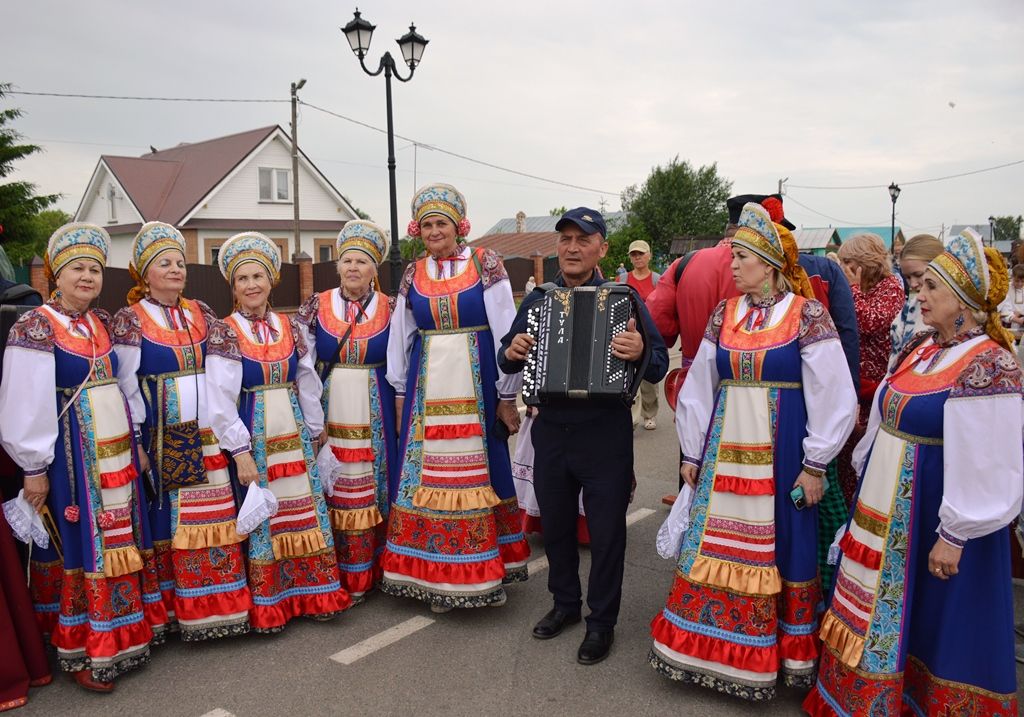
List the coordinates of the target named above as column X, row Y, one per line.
column 571, row 359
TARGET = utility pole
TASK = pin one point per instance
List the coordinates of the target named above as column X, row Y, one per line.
column 296, row 86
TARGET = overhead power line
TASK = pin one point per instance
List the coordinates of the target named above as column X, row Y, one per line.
column 463, row 157
column 450, row 153
column 142, row 99
column 914, row 181
column 846, row 222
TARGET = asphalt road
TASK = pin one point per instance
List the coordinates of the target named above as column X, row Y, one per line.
column 466, row 662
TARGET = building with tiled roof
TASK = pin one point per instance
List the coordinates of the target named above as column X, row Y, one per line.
column 213, row 189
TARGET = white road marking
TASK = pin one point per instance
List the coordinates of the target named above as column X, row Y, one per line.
column 382, row 639
column 539, row 564
column 637, row 515
column 403, row 629
column 218, row 713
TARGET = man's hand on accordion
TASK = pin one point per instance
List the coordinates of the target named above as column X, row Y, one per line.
column 628, row 345
column 520, row 347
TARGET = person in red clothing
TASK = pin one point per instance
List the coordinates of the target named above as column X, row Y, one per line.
column 645, row 405
column 878, row 298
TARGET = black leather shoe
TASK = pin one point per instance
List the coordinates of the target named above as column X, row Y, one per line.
column 552, row 624
column 595, row 647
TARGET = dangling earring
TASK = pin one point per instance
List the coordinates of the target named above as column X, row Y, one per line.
column 958, row 322
column 766, row 288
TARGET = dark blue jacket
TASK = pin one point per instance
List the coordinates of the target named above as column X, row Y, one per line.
column 657, row 364
column 828, row 280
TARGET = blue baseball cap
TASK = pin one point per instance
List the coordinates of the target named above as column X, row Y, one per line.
column 588, row 220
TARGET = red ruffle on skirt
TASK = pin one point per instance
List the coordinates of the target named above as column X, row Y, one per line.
column 856, row 550
column 116, row 479
column 215, row 462
column 744, row 486
column 201, row 607
column 270, row 617
column 353, row 455
column 101, row 644
column 799, row 647
column 451, row 431
column 515, row 552
column 430, row 571
column 744, row 657
column 284, row 470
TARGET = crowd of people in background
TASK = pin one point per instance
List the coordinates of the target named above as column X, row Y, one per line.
column 849, row 433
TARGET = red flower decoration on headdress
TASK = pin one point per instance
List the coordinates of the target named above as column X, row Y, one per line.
column 413, row 229
column 464, row 227
column 774, row 207
column 71, row 514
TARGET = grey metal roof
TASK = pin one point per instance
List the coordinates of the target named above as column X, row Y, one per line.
column 546, row 224
column 982, row 229
column 815, row 238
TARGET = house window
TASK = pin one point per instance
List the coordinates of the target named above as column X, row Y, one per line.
column 325, row 253
column 323, row 250
column 214, row 254
column 275, row 185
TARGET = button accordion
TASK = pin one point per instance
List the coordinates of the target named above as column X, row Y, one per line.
column 571, row 358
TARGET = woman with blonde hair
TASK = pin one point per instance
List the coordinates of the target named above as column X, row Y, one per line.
column 921, row 617
column 877, row 299
column 914, row 258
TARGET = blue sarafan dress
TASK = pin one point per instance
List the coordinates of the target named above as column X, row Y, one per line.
column 359, row 410
column 94, row 588
column 941, row 460
column 161, row 352
column 265, row 398
column 455, row 531
column 768, row 394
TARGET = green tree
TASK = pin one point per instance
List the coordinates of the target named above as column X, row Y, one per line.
column 411, row 248
column 42, row 226
column 1007, row 228
column 618, row 247
column 19, row 203
column 677, row 199
column 557, row 211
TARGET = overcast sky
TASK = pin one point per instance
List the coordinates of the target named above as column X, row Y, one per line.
column 591, row 93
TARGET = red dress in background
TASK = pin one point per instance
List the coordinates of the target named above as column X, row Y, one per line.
column 24, row 661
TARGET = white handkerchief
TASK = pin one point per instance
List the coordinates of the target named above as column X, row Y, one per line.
column 670, row 534
column 25, row 522
column 328, row 465
column 259, row 505
column 833, row 550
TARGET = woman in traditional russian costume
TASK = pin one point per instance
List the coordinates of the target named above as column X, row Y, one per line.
column 455, row 532
column 921, row 618
column 65, row 422
column 768, row 402
column 347, row 335
column 264, row 404
column 160, row 341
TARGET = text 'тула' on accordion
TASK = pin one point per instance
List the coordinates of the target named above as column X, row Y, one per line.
column 571, row 358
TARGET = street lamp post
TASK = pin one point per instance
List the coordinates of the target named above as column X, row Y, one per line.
column 358, row 32
column 992, row 231
column 894, row 194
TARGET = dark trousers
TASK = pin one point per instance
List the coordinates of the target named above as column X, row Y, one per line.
column 597, row 456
